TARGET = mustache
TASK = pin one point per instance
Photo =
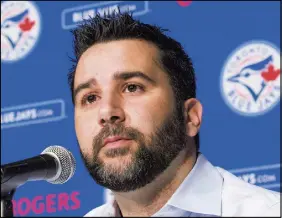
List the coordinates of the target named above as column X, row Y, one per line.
column 115, row 130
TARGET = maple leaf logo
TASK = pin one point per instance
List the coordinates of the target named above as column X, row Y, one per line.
column 270, row 74
column 26, row 24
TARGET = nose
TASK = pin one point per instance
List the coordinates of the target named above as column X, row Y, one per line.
column 111, row 111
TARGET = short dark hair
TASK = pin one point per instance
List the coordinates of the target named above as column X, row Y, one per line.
column 117, row 26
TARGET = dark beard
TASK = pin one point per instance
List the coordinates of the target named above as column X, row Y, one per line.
column 150, row 160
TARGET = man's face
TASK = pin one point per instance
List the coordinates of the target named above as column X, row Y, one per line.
column 125, row 114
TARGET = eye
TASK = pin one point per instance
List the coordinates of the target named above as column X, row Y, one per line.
column 89, row 99
column 133, row 88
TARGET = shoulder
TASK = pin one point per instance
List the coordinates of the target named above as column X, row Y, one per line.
column 244, row 199
column 104, row 210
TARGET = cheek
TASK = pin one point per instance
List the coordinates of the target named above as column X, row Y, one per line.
column 84, row 128
column 149, row 114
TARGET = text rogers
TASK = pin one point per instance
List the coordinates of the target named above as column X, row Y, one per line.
column 50, row 203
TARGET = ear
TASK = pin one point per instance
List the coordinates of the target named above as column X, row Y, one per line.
column 193, row 116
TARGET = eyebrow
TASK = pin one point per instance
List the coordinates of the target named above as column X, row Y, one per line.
column 117, row 76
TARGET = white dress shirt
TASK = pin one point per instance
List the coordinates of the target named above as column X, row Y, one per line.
column 210, row 191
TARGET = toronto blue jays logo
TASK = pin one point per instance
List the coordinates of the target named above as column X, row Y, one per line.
column 20, row 28
column 250, row 80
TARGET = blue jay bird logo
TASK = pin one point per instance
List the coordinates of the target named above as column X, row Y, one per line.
column 11, row 28
column 250, row 81
column 20, row 26
column 245, row 77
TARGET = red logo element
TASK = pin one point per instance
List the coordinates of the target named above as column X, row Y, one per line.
column 26, row 25
column 183, row 3
column 270, row 74
column 51, row 203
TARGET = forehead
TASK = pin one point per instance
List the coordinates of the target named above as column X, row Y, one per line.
column 104, row 59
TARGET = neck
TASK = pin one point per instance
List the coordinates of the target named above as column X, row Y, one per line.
column 151, row 198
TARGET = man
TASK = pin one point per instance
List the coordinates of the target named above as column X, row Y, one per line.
column 137, row 121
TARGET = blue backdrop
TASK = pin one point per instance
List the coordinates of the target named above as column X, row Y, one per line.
column 235, row 50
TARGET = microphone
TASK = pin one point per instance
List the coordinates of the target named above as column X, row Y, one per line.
column 55, row 164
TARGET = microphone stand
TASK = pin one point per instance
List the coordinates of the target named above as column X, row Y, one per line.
column 7, row 193
column 7, row 205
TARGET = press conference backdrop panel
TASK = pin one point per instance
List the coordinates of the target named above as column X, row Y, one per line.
column 235, row 48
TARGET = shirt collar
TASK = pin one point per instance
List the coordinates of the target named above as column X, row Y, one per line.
column 200, row 192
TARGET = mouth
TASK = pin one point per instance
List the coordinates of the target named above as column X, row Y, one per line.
column 115, row 141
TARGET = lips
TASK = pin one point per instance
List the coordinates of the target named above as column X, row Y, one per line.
column 114, row 139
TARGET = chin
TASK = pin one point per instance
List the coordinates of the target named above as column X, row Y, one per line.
column 118, row 159
column 117, row 164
